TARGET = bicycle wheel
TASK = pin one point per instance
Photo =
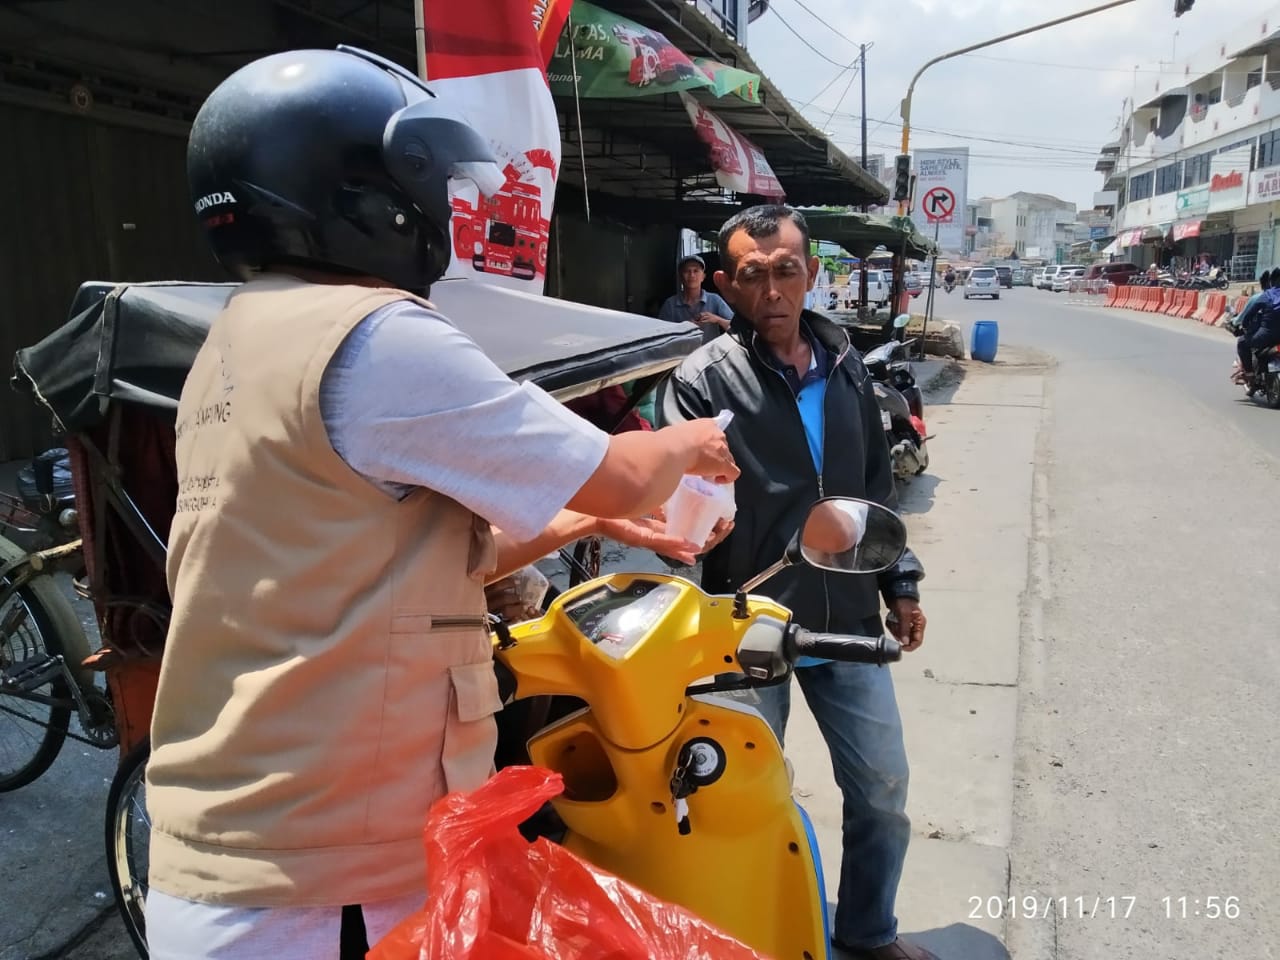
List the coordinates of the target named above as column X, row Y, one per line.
column 31, row 732
column 128, row 836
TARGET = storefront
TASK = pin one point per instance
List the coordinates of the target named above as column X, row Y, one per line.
column 1228, row 200
column 1262, row 212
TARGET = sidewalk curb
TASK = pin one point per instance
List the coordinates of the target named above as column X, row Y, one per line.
column 1032, row 939
column 950, row 366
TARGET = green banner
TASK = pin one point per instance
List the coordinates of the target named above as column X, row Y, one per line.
column 726, row 79
column 617, row 57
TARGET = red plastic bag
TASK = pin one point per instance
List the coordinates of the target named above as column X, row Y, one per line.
column 491, row 895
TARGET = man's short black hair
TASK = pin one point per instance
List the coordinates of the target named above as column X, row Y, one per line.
column 1265, row 280
column 762, row 221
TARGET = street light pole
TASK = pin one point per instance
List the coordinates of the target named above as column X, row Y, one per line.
column 906, row 101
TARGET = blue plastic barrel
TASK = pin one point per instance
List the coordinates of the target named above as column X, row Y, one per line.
column 985, row 341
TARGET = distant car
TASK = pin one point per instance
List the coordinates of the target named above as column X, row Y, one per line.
column 1066, row 273
column 877, row 289
column 1046, row 278
column 982, row 282
column 1006, row 276
column 1118, row 272
column 1022, row 277
column 878, row 282
column 914, row 285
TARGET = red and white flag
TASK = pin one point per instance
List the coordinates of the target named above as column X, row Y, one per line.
column 487, row 60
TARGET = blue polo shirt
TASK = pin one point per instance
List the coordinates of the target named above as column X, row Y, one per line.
column 809, row 390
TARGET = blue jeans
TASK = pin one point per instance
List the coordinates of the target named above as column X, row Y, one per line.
column 857, row 712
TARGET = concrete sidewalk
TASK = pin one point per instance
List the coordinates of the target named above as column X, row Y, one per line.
column 958, row 693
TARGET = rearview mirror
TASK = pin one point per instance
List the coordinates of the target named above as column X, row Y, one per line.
column 844, row 535
column 901, row 321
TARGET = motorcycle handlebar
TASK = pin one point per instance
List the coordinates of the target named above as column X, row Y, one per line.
column 844, row 647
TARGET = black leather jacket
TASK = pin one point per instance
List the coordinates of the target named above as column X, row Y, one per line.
column 779, row 481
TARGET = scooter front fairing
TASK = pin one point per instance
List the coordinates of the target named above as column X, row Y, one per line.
column 685, row 794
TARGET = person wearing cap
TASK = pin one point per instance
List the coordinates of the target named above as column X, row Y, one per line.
column 695, row 305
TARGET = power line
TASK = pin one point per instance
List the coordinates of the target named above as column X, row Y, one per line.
column 830, row 84
column 1070, row 66
column 1085, row 146
column 848, row 86
column 1091, row 153
column 796, row 34
column 822, row 20
column 1018, row 159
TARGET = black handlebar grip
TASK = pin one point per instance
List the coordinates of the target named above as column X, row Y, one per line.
column 838, row 646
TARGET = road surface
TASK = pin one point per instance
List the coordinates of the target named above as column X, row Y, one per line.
column 1092, row 720
column 1145, row 780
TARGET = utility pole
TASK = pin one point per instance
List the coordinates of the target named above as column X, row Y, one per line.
column 862, row 67
column 906, row 101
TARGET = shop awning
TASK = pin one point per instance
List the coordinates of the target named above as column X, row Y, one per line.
column 863, row 233
column 646, row 146
column 1187, row 229
column 1129, row 238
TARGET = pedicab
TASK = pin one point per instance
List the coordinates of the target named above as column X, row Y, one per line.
column 111, row 376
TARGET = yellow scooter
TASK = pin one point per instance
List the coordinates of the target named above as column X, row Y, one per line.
column 670, row 782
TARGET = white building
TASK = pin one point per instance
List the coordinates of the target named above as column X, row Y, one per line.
column 1032, row 225
column 1197, row 166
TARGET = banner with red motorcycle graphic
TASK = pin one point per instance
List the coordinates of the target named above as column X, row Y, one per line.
column 607, row 55
column 739, row 164
column 485, row 59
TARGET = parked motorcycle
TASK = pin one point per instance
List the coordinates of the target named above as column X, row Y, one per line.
column 666, row 769
column 1215, row 279
column 44, row 509
column 901, row 404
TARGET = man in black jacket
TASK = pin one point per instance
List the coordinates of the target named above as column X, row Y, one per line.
column 806, row 425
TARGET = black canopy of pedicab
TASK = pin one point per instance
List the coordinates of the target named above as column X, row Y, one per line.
column 135, row 343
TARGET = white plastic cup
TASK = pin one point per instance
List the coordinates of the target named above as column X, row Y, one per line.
column 695, row 507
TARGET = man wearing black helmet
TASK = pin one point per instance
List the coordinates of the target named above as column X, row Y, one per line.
column 342, row 452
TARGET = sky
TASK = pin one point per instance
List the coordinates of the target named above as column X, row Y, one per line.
column 1033, row 111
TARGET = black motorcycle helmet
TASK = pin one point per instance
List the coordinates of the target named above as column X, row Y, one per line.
column 334, row 160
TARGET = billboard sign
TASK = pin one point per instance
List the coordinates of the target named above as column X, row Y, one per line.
column 941, row 173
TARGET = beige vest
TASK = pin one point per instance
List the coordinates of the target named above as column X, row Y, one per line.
column 327, row 674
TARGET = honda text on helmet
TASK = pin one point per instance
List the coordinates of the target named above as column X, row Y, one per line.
column 331, row 160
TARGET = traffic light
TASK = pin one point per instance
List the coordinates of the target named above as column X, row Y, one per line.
column 1182, row 6
column 902, row 177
